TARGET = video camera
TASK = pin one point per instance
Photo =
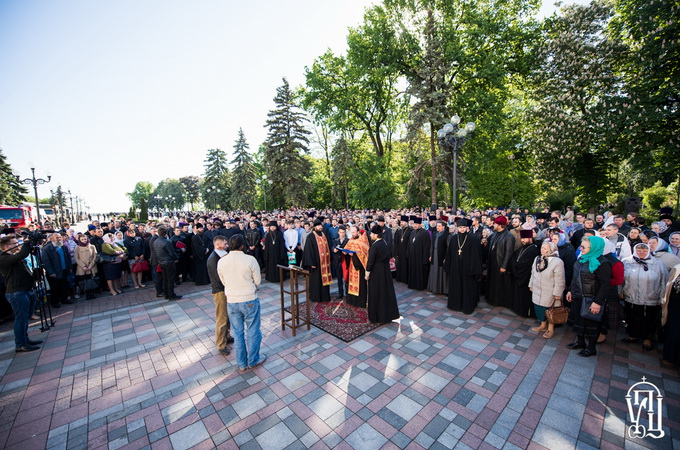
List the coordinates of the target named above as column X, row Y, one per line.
column 35, row 237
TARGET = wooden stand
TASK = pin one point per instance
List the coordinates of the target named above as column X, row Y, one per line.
column 294, row 322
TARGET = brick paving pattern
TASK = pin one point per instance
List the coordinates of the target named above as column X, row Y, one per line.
column 134, row 372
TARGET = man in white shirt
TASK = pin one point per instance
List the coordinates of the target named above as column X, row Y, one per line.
column 291, row 238
column 240, row 275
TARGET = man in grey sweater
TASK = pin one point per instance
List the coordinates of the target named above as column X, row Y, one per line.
column 240, row 275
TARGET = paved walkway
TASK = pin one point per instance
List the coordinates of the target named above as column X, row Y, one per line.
column 132, row 372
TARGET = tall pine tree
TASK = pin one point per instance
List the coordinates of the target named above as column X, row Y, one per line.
column 286, row 144
column 11, row 191
column 243, row 175
column 216, row 176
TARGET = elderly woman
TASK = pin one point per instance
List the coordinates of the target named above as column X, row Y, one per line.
column 674, row 243
column 85, row 256
column 658, row 227
column 546, row 285
column 643, row 289
column 590, row 283
column 659, row 249
column 670, row 319
column 113, row 269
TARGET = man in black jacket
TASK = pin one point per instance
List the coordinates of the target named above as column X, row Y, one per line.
column 57, row 262
column 166, row 257
column 222, row 337
column 501, row 247
column 19, row 282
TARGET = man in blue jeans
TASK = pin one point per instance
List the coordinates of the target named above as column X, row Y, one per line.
column 240, row 275
column 19, row 282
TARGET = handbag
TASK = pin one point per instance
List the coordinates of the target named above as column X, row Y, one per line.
column 586, row 302
column 393, row 265
column 106, row 259
column 90, row 284
column 140, row 266
column 557, row 315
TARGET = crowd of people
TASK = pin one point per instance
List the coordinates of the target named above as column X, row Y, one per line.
column 604, row 269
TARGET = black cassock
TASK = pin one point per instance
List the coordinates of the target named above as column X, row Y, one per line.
column 382, row 300
column 520, row 271
column 418, row 259
column 311, row 257
column 400, row 253
column 464, row 269
column 199, row 247
column 274, row 254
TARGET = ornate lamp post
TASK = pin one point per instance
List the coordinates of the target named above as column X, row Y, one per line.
column 70, row 198
column 35, row 182
column 265, row 184
column 452, row 136
column 214, row 192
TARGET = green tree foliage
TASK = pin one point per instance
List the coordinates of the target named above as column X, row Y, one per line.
column 360, row 91
column 191, row 188
column 132, row 214
column 573, row 81
column 286, row 144
column 244, row 175
column 143, row 211
column 654, row 197
column 341, row 167
column 142, row 191
column 11, row 191
column 216, row 176
column 172, row 193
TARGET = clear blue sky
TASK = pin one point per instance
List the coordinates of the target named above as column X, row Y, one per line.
column 103, row 94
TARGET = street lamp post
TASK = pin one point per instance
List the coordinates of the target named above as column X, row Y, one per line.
column 35, row 182
column 511, row 157
column 265, row 184
column 70, row 198
column 453, row 136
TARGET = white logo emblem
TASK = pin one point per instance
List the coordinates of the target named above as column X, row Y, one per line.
column 644, row 398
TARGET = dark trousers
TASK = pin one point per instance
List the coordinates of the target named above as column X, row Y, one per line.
column 168, row 277
column 157, row 279
column 642, row 321
column 58, row 289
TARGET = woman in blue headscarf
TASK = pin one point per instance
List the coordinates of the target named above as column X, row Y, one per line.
column 592, row 275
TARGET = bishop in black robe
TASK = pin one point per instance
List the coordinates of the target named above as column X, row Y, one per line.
column 501, row 247
column 463, row 263
column 520, row 272
column 400, row 249
column 274, row 253
column 317, row 261
column 382, row 300
column 418, row 257
column 201, row 251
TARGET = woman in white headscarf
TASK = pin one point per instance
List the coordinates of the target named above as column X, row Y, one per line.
column 547, row 285
column 112, row 269
column 659, row 249
column 643, row 288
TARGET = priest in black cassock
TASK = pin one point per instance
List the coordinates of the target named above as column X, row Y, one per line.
column 201, row 250
column 438, row 282
column 400, row 249
column 501, row 246
column 316, row 258
column 418, row 256
column 382, row 300
column 463, row 263
column 520, row 271
column 274, row 252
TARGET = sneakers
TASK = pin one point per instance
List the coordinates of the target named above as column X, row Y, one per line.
column 27, row 348
column 262, row 360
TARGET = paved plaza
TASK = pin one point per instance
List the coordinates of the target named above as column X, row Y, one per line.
column 133, row 371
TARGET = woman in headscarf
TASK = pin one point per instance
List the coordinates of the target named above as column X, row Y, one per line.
column 612, row 309
column 659, row 249
column 670, row 318
column 85, row 256
column 674, row 243
column 643, row 288
column 119, row 239
column 566, row 253
column 590, row 283
column 546, row 285
column 646, row 235
column 113, row 269
column 658, row 227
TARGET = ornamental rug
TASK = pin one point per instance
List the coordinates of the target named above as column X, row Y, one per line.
column 339, row 319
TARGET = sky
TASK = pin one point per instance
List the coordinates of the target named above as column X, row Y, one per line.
column 103, row 94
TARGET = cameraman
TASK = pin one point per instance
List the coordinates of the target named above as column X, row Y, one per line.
column 19, row 281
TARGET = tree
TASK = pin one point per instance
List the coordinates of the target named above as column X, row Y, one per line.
column 143, row 211
column 244, row 175
column 341, row 172
column 216, row 177
column 142, row 191
column 11, row 191
column 285, row 146
column 190, row 185
column 571, row 86
column 172, row 193
column 132, row 214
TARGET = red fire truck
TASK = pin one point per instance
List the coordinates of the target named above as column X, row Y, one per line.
column 17, row 216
